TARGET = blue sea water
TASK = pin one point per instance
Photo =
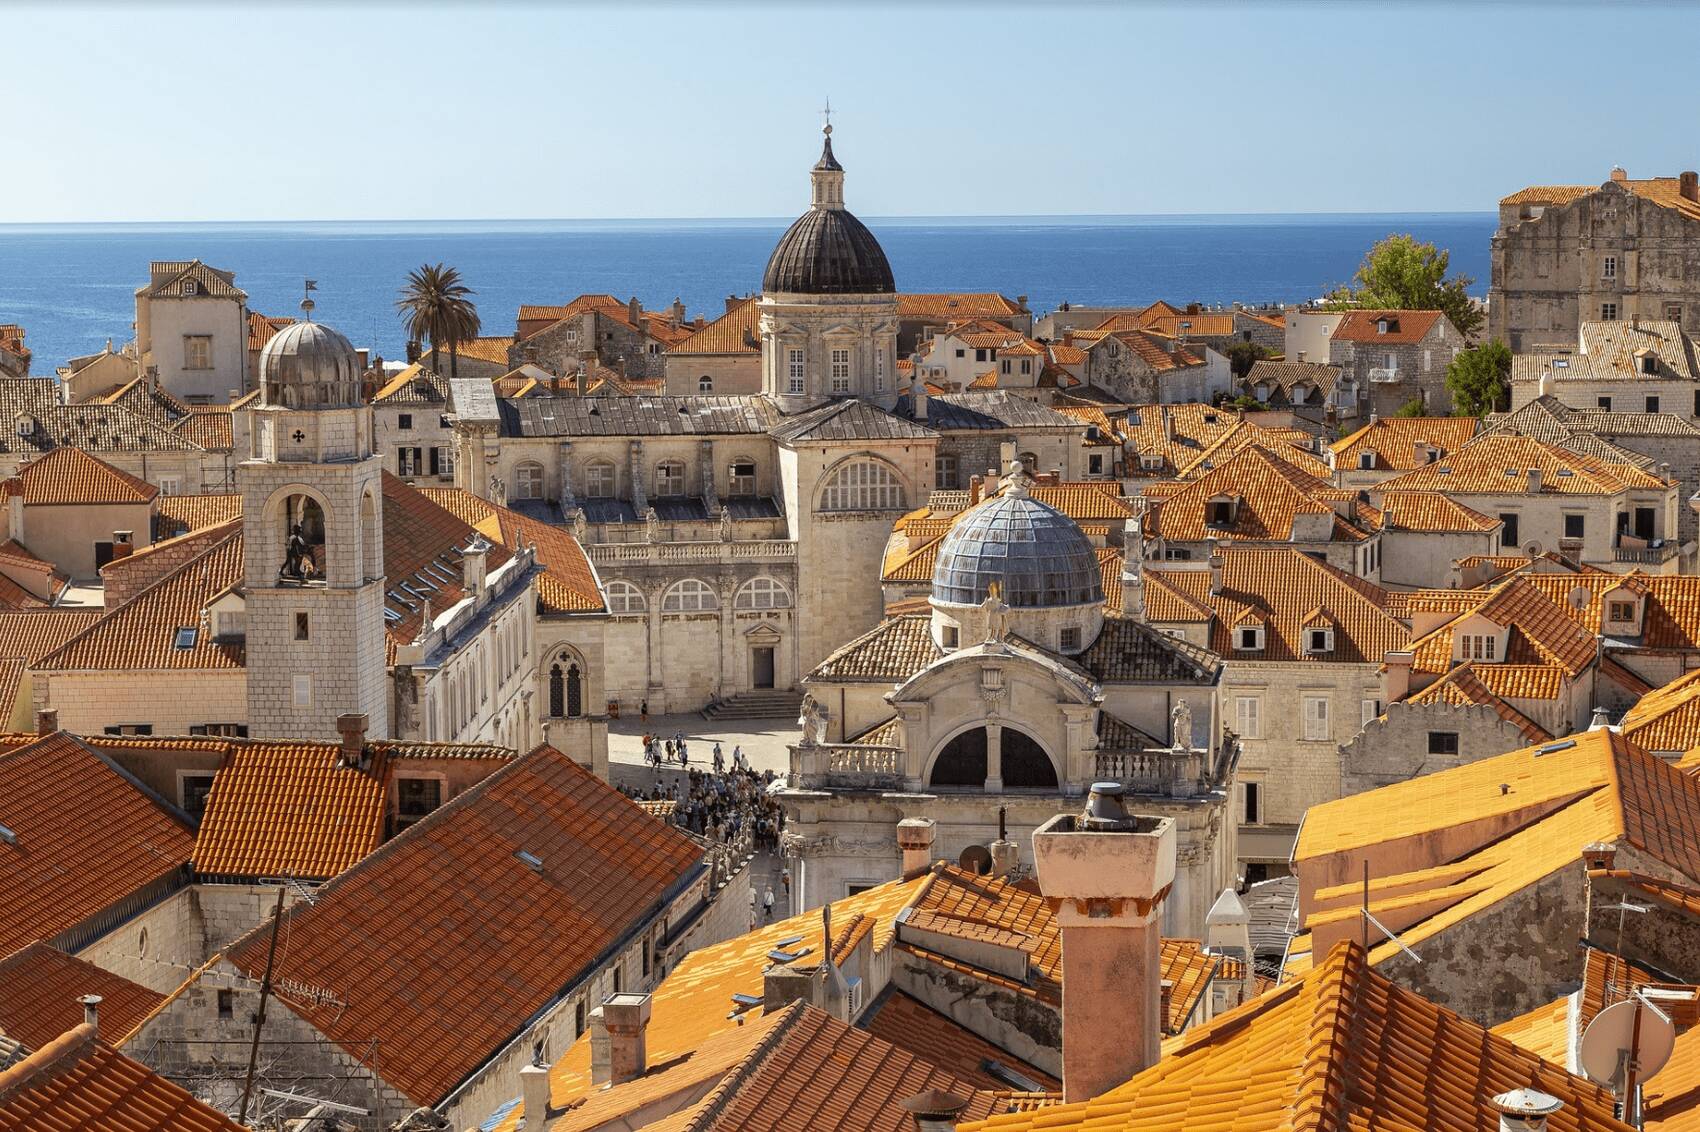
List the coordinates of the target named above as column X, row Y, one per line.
column 72, row 286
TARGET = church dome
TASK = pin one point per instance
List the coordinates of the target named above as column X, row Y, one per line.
column 1035, row 552
column 828, row 251
column 307, row 365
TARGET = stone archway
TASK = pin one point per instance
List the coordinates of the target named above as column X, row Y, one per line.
column 965, row 761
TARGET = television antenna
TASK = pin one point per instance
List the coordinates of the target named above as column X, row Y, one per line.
column 1625, row 1045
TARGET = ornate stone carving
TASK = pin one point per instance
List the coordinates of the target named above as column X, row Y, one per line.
column 1180, row 721
column 651, row 525
column 725, row 525
column 813, row 720
column 581, row 525
column 997, row 614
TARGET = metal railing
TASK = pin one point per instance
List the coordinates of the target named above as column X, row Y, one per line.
column 1384, row 375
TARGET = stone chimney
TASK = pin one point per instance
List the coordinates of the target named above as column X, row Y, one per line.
column 351, row 727
column 1217, row 563
column 1525, row 1110
column 1133, row 568
column 625, row 1019
column 917, row 390
column 1534, row 481
column 934, row 1110
column 91, row 1011
column 835, row 992
column 1601, row 720
column 1168, row 422
column 676, row 312
column 1006, row 854
column 915, row 838
column 473, row 564
column 1106, row 875
column 534, row 1091
column 586, row 361
column 1227, row 933
column 1688, row 184
column 123, row 544
column 1006, row 455
column 600, row 1063
column 1599, row 855
column 1396, row 675
column 46, row 721
column 634, row 312
column 1619, row 173
column 976, row 481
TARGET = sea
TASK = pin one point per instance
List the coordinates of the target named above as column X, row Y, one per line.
column 72, row 285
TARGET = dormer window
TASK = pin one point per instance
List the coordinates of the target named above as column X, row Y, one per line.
column 1219, row 512
column 190, row 288
column 1620, row 611
column 1386, row 326
column 1649, row 362
column 1248, row 638
column 1366, row 460
column 185, row 638
column 1319, row 640
column 1472, row 646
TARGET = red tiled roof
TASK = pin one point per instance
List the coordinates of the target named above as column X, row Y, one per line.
column 913, row 1025
column 39, row 987
column 1271, row 493
column 76, row 1084
column 70, row 475
column 734, row 332
column 1404, row 326
column 456, row 910
column 86, row 837
column 955, row 306
column 568, row 584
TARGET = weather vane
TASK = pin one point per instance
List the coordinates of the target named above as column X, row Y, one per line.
column 307, row 304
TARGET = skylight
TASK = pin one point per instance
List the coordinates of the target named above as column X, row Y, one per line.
column 531, row 860
column 185, row 638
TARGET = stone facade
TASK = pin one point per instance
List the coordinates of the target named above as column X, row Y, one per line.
column 1391, row 374
column 1399, row 746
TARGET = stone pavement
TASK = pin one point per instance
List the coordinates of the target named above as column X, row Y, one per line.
column 765, row 741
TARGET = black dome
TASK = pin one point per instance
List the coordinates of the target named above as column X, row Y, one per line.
column 828, row 252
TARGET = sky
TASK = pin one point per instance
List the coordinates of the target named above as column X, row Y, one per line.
column 383, row 110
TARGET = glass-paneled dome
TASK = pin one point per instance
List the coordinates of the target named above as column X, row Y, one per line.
column 1038, row 554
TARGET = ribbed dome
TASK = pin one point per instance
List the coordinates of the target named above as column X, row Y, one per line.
column 307, row 365
column 1038, row 554
column 828, row 252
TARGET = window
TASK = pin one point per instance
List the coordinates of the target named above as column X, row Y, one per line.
column 1620, row 611
column 1248, row 717
column 197, row 351
column 1652, row 404
column 185, row 638
column 1508, row 537
column 1251, row 794
column 231, row 623
column 443, row 460
column 623, row 597
column 705, row 384
column 1605, row 403
column 1248, row 638
column 1219, row 513
column 1026, row 365
column 1649, row 363
column 980, row 355
column 1371, row 710
column 670, row 478
column 226, row 1003
column 794, row 369
column 1472, row 646
column 191, row 288
column 303, row 691
column 1319, row 640
column 1316, row 717
column 192, row 791
column 1608, row 268
column 566, row 689
column 952, row 636
column 1068, row 640
column 742, row 475
column 130, row 729
column 1608, row 312
column 689, row 596
column 879, row 368
column 528, row 480
column 840, row 371
column 1366, row 461
column 416, row 798
column 1004, row 366
column 944, row 467
column 762, row 593
column 599, row 480
column 1095, row 465
column 1575, row 526
column 302, row 625
column 407, row 461
column 231, row 730
column 1443, row 742
column 170, row 485
column 404, row 420
column 863, row 486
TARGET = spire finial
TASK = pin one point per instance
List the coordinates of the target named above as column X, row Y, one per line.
column 308, row 286
column 826, row 115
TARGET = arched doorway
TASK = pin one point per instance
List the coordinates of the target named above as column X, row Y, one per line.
column 963, row 762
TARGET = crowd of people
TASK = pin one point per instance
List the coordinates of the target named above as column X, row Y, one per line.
column 722, row 801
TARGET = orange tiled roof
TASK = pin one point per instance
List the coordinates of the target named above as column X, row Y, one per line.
column 1208, row 324
column 210, row 426
column 568, row 584
column 261, row 328
column 1665, row 191
column 491, row 349
column 1499, row 463
column 735, row 332
column 1405, row 326
column 75, row 1083
column 178, row 514
column 86, row 838
column 1667, row 718
column 889, row 653
column 1179, row 433
column 1433, row 511
column 1543, row 633
column 1394, row 441
column 915, row 1026
column 70, row 475
column 39, row 986
column 955, row 306
column 460, row 912
column 1462, row 687
column 1245, row 434
column 1271, row 491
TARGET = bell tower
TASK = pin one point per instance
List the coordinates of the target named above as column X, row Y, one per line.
column 313, row 569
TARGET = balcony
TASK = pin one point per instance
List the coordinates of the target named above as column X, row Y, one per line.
column 846, row 766
column 1646, row 555
column 666, row 553
column 1165, row 773
column 1384, row 375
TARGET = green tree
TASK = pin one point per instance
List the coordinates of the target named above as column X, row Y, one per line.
column 1412, row 408
column 1479, row 379
column 435, row 304
column 1401, row 274
column 1243, row 355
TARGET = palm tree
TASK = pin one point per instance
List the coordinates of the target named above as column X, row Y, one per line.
column 435, row 304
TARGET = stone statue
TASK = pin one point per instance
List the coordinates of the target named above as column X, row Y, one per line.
column 813, row 721
column 581, row 526
column 652, row 525
column 725, row 524
column 1180, row 720
column 297, row 557
column 498, row 491
column 997, row 613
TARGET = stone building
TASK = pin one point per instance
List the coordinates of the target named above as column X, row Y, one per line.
column 620, row 335
column 723, row 356
column 1394, row 358
column 77, row 512
column 1567, row 254
column 410, row 419
column 14, row 355
column 1140, row 366
column 192, row 331
column 1314, row 391
column 1015, row 693
column 1387, row 446
column 1630, row 366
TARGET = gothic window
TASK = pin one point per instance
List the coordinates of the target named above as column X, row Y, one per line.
column 670, row 478
column 566, row 689
column 557, row 692
column 599, row 480
column 623, row 597
column 528, row 481
column 575, row 692
column 743, row 476
column 762, row 593
column 689, row 596
column 865, row 485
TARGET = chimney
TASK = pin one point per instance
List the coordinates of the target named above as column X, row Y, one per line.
column 1599, row 855
column 351, row 726
column 1165, row 998
column 46, row 721
column 915, row 838
column 625, row 1018
column 1106, row 873
column 1006, row 854
column 634, row 312
column 1396, row 675
column 1688, row 185
column 676, row 312
column 1534, row 481
column 976, row 481
column 835, row 992
column 934, row 1110
column 1619, row 173
column 599, row 1051
column 586, row 362
column 1133, row 568
column 917, row 389
column 1571, row 548
column 1006, row 456
column 91, row 1011
column 1217, row 562
column 472, row 566
column 731, row 303
column 534, row 1092
column 1168, row 423
column 1227, row 933
column 1525, row 1110
column 123, row 545
column 1601, row 720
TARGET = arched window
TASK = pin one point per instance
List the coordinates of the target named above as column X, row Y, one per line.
column 743, row 478
column 705, row 384
column 762, row 593
column 528, row 480
column 557, row 692
column 575, row 692
column 670, row 478
column 623, row 597
column 566, row 688
column 599, row 480
column 865, row 485
column 689, row 596
column 303, row 561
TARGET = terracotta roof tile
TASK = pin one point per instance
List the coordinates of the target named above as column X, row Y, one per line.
column 955, row 306
column 458, row 911
column 262, row 327
column 1462, row 687
column 492, row 349
column 1284, row 443
column 70, row 475
column 75, row 1084
column 39, row 987
column 1394, row 441
column 1270, row 493
column 1499, row 463
column 86, row 837
column 210, row 426
column 1433, row 511
column 890, row 652
column 913, row 1025
column 177, row 514
column 1129, row 651
column 735, row 332
column 568, row 584
column 1666, row 191
column 414, row 385
column 1404, row 326
column 1667, row 718
column 165, row 278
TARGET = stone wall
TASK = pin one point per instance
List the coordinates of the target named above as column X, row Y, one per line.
column 90, row 702
column 728, row 373
column 1396, row 746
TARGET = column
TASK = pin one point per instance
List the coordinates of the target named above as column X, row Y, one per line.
column 994, row 758
column 652, row 661
column 640, row 500
column 568, row 503
column 727, row 587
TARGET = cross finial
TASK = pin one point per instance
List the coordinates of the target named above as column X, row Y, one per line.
column 826, row 114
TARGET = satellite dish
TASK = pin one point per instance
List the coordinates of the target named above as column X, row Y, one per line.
column 1611, row 1035
column 1580, row 597
column 1533, row 549
column 976, row 859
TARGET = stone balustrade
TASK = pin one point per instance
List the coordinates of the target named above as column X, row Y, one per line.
column 1172, row 773
column 850, row 766
column 657, row 553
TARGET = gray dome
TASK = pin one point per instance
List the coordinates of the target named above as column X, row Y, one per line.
column 828, row 252
column 307, row 365
column 1038, row 554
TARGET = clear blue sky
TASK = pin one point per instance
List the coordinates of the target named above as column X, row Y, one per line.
column 383, row 110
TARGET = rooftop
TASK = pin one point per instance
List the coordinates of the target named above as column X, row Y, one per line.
column 75, row 1082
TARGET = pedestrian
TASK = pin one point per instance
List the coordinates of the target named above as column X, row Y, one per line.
column 719, row 762
column 785, row 880
column 684, row 759
column 767, row 901
column 737, row 757
column 669, row 750
column 643, row 712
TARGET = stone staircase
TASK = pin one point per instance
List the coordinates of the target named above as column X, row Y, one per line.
column 764, row 703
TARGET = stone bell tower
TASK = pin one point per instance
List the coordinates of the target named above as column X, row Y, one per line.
column 313, row 570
